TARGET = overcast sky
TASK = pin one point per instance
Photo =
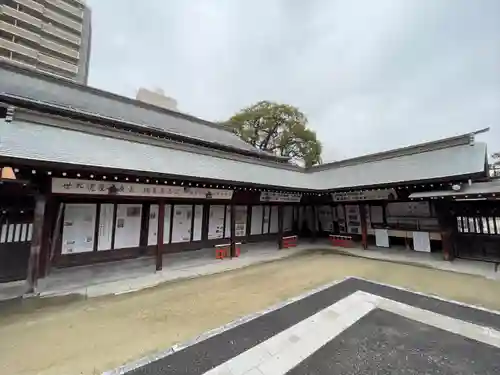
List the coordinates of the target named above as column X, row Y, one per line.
column 370, row 75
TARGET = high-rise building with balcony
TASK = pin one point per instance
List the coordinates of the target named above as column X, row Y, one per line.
column 53, row 36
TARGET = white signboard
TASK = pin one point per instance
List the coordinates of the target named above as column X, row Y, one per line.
column 371, row 195
column 216, row 222
column 227, row 233
column 268, row 196
column 78, row 228
column 153, row 225
column 166, row 223
column 198, row 219
column 382, row 237
column 421, row 242
column 240, row 221
column 265, row 219
column 128, row 225
column 91, row 187
column 105, row 227
column 181, row 226
column 256, row 223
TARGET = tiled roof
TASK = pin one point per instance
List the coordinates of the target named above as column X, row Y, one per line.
column 23, row 140
column 48, row 89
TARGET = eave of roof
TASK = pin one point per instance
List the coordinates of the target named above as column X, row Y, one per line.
column 29, row 141
column 71, row 113
column 474, row 189
column 23, row 84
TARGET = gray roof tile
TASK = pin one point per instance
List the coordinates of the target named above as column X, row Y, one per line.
column 24, row 140
column 44, row 88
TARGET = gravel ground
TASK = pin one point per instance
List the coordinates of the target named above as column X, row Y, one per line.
column 62, row 337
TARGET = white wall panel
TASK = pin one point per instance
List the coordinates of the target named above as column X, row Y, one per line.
column 128, row 225
column 3, row 236
column 265, row 219
column 182, row 220
column 227, row 230
column 256, row 223
column 216, row 222
column 166, row 223
column 153, row 224
column 105, row 238
column 78, row 228
column 198, row 222
column 241, row 221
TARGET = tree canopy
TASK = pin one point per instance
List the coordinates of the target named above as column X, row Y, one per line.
column 280, row 129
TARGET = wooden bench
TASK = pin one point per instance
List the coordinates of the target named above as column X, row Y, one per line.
column 341, row 241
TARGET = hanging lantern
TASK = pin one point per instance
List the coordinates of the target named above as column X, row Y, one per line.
column 8, row 174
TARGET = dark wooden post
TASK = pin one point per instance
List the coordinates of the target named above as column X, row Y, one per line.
column 49, row 237
column 445, row 219
column 280, row 226
column 159, row 237
column 36, row 243
column 315, row 223
column 233, row 230
column 364, row 229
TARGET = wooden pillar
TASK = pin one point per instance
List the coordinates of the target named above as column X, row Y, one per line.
column 315, row 223
column 36, row 243
column 364, row 229
column 233, row 230
column 159, row 237
column 49, row 236
column 445, row 219
column 280, row 226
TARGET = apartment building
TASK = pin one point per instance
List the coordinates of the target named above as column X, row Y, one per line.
column 53, row 36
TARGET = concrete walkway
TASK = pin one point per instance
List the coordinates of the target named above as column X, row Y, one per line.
column 431, row 260
column 136, row 274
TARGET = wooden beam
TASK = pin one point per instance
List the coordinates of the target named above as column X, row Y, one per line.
column 280, row 226
column 36, row 243
column 315, row 223
column 446, row 225
column 364, row 228
column 233, row 230
column 159, row 243
column 54, row 240
column 49, row 217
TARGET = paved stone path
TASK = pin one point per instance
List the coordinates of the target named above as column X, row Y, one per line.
column 352, row 327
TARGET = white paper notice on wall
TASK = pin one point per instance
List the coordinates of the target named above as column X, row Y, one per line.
column 216, row 222
column 381, row 237
column 421, row 242
column 198, row 220
column 78, row 228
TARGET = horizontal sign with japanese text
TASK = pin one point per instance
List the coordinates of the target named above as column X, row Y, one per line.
column 91, row 187
column 267, row 196
column 367, row 195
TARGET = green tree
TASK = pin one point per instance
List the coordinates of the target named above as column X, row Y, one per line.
column 280, row 129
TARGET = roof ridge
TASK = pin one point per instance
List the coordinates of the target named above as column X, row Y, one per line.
column 77, row 85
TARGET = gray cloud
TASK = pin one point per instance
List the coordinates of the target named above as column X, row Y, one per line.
column 370, row 75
